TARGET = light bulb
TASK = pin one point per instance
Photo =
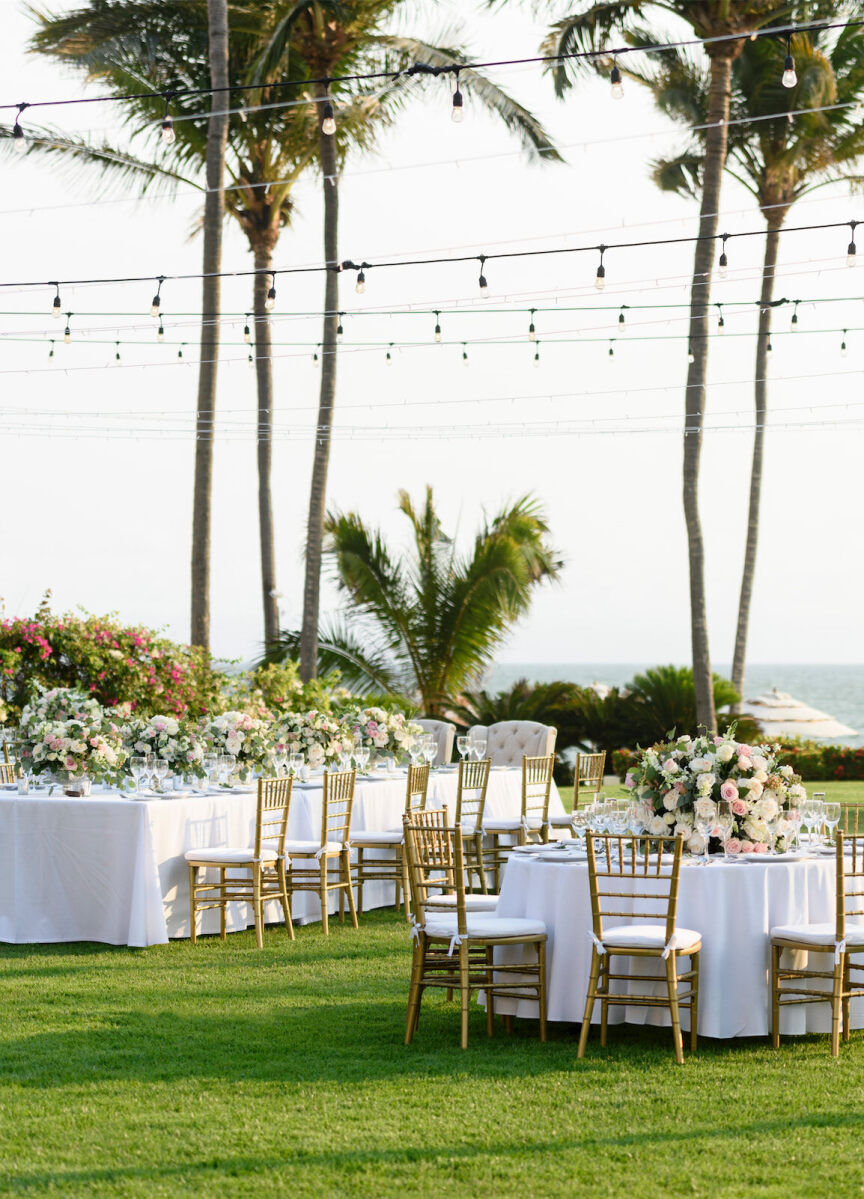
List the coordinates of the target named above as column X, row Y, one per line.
column 51, row 351
column 168, row 134
column 769, row 349
column 247, row 333
column 67, row 335
column 789, row 76
column 611, row 352
column 360, row 285
column 117, row 353
column 464, row 357
column 484, row 286
column 328, row 124
column 691, row 357
column 794, row 320
column 721, row 324
column 537, row 359
column 843, row 350
column 438, row 333
column 722, row 265
column 339, row 329
column 388, row 358
column 532, row 332
column 600, row 280
column 154, row 306
column 851, row 254
column 621, row 317
column 18, row 139
column 250, row 356
column 617, row 85
column 55, row 307
column 160, row 332
column 315, row 357
column 180, row 353
column 270, row 302
column 458, row 110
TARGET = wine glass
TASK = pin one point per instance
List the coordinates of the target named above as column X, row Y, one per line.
column 296, row 763
column 280, row 758
column 832, row 819
column 209, row 764
column 463, row 744
column 793, row 819
column 430, row 749
column 160, row 770
column 581, row 823
column 808, row 815
column 361, row 757
column 724, row 822
column 344, row 760
column 137, row 768
column 704, row 824
column 636, row 819
column 480, row 744
column 225, row 767
column 817, row 803
column 150, row 759
column 618, row 816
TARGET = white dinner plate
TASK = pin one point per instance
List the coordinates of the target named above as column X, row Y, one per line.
column 767, row 858
column 562, row 857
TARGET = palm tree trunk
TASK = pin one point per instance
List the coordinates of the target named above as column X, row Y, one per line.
column 264, row 376
column 214, row 213
column 321, row 460
column 715, row 158
column 775, row 220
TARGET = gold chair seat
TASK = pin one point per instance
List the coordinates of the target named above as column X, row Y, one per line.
column 312, row 847
column 651, row 936
column 230, row 856
column 510, row 826
column 818, row 934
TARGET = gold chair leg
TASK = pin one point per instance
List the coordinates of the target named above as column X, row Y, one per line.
column 776, row 951
column 345, row 860
column 847, row 1027
column 414, row 994
column 589, row 1002
column 672, row 985
column 836, row 1004
column 325, row 921
column 694, row 1001
column 604, row 1003
column 541, row 986
column 478, row 838
column 406, row 886
column 360, row 881
column 283, row 898
column 490, row 998
column 464, row 990
column 223, row 906
column 257, row 905
column 192, row 910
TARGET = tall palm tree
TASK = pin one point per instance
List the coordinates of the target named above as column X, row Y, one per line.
column 339, row 37
column 778, row 161
column 211, row 312
column 591, row 26
column 427, row 623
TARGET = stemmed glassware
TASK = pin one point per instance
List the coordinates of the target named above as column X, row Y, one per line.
column 724, row 822
column 210, row 764
column 160, row 772
column 705, row 822
column 361, row 758
column 832, row 819
column 793, row 819
column 581, row 823
column 415, row 751
column 463, row 744
column 480, row 744
column 280, row 759
column 225, row 765
column 296, row 763
column 430, row 749
column 150, row 759
column 137, row 768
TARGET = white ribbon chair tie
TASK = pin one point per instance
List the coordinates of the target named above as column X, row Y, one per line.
column 839, row 950
column 597, row 943
column 455, row 942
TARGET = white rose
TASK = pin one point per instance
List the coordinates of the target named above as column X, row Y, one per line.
column 705, row 782
column 761, row 775
column 670, row 801
column 683, row 829
column 760, row 763
column 768, row 807
column 669, row 819
column 797, row 792
column 696, row 844
column 704, row 807
column 657, row 826
column 725, row 753
column 786, row 771
column 754, row 788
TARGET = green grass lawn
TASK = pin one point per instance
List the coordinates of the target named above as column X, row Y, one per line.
column 217, row 1070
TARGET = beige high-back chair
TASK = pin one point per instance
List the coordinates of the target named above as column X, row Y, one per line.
column 509, row 741
column 445, row 734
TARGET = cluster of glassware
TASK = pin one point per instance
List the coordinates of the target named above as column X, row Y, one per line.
column 472, row 746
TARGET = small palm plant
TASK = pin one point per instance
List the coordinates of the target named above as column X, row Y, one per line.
column 427, row 622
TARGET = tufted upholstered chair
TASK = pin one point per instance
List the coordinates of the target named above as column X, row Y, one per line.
column 509, row 741
column 444, row 734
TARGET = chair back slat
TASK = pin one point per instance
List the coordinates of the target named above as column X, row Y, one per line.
column 337, row 804
column 646, row 861
column 416, row 789
column 471, row 794
column 588, row 777
column 435, row 862
column 850, row 818
column 850, row 880
column 8, row 772
column 537, row 787
column 271, row 817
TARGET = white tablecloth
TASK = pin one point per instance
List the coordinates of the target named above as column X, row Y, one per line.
column 112, row 869
column 732, row 905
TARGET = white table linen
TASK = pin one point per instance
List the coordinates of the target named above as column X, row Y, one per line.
column 113, row 869
column 733, row 906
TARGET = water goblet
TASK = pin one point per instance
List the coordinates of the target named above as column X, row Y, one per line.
column 295, row 764
column 793, row 819
column 581, row 824
column 704, row 824
column 430, row 749
column 480, row 744
column 137, row 768
column 209, row 764
column 724, row 822
column 818, row 805
column 463, row 744
column 160, row 770
column 280, row 759
column 225, row 767
column 832, row 819
column 361, row 758
column 150, row 759
column 344, row 760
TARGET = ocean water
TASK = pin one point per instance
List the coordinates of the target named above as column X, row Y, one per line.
column 837, row 690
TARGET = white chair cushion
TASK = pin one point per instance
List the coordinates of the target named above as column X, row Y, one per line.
column 225, row 857
column 485, row 926
column 510, row 826
column 562, row 821
column 817, row 934
column 365, row 838
column 650, row 936
column 304, row 847
column 473, row 903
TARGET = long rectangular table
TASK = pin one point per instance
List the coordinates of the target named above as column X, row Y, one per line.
column 112, row 869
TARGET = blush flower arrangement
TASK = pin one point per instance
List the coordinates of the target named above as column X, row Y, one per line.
column 320, row 737
column 65, row 733
column 382, row 730
column 672, row 779
column 177, row 741
column 249, row 738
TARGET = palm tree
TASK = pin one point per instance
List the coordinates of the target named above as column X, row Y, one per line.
column 338, row 37
column 778, row 162
column 145, row 44
column 211, row 311
column 590, row 26
column 427, row 623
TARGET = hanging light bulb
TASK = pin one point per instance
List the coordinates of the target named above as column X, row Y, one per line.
column 243, row 114
column 794, row 320
column 180, row 351
column 621, row 315
column 537, row 355
column 851, row 249
column 18, row 139
column 790, row 77
column 168, row 134
column 247, row 332
column 339, row 329
column 67, row 332
column 55, row 306
column 600, row 278
column 532, row 332
column 721, row 323
column 360, row 285
column 769, row 349
column 157, row 299
column 458, row 111
column 270, row 302
column 438, row 327
column 51, row 351
column 843, row 350
column 723, row 261
column 615, row 80
column 328, row 122
column 388, row 358
column 691, row 357
column 315, row 357
column 117, row 351
column 464, row 354
column 160, row 332
column 250, row 358
column 611, row 349
column 484, row 286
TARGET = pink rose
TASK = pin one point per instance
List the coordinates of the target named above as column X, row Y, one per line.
column 629, row 781
column 718, row 740
column 760, row 847
column 733, row 846
column 739, row 807
column 746, row 846
column 744, row 763
column 728, row 790
column 670, row 766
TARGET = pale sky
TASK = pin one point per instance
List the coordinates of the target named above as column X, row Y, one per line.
column 104, row 521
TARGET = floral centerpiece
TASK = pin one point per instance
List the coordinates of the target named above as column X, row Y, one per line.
column 72, row 737
column 178, row 742
column 381, row 730
column 248, row 738
column 321, row 738
column 674, row 778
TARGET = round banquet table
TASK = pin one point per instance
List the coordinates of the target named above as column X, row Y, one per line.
column 112, row 869
column 732, row 904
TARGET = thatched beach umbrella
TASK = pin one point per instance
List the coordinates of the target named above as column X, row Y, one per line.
column 782, row 716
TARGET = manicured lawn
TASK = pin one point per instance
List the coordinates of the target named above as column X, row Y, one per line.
column 221, row 1071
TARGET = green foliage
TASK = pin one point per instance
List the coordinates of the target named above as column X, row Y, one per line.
column 665, row 698
column 814, row 761
column 426, row 623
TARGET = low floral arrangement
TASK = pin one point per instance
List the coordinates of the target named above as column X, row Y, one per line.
column 249, row 738
column 382, row 730
column 673, row 779
column 70, row 736
column 177, row 741
column 321, row 738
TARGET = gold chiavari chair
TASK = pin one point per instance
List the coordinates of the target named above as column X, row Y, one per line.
column 851, row 822
column 324, row 866
column 454, row 950
column 395, row 869
column 8, row 772
column 639, row 871
column 587, row 785
column 533, row 823
column 471, row 787
column 262, row 865
column 844, row 936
